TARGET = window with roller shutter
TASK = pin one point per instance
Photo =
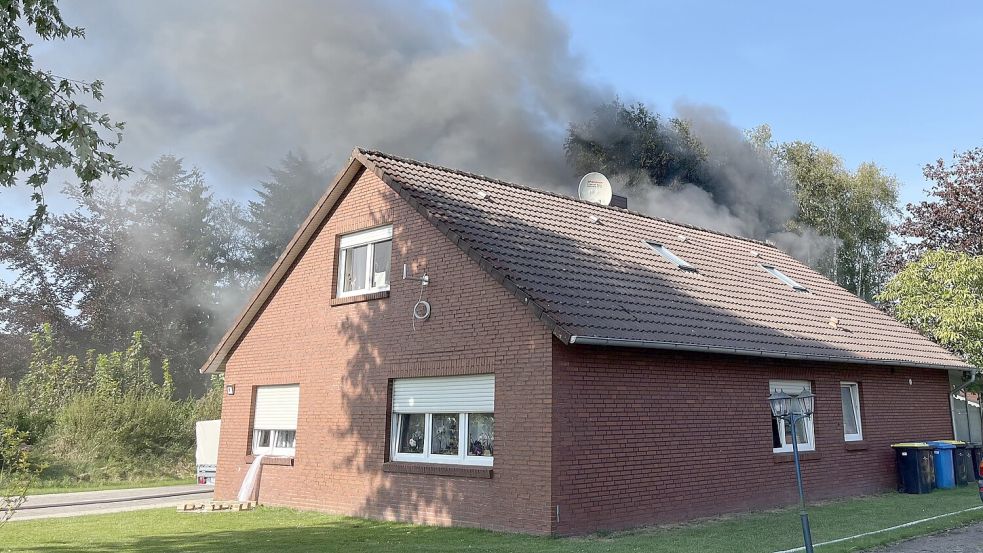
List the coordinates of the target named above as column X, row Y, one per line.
column 444, row 420
column 275, row 420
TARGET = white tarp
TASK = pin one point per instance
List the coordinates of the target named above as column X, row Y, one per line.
column 206, row 442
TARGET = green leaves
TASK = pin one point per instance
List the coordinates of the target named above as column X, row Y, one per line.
column 16, row 471
column 855, row 208
column 941, row 294
column 44, row 127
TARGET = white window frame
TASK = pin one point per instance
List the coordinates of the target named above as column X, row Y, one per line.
column 855, row 395
column 784, row 278
column 276, row 427
column 369, row 237
column 793, row 387
column 462, row 458
column 671, row 257
column 273, row 449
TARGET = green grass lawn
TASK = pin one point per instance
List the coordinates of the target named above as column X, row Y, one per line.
column 60, row 486
column 288, row 531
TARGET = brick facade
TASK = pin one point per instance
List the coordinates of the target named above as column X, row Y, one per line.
column 603, row 438
column 344, row 355
column 650, row 436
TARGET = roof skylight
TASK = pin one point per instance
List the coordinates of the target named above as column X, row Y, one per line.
column 671, row 257
column 785, row 278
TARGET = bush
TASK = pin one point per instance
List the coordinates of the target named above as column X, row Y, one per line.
column 104, row 418
column 126, row 438
column 17, row 412
column 16, row 471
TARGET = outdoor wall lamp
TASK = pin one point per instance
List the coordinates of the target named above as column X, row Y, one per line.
column 230, row 389
column 793, row 409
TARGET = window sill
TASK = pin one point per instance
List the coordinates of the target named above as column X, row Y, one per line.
column 271, row 460
column 359, row 298
column 857, row 445
column 790, row 458
column 436, row 469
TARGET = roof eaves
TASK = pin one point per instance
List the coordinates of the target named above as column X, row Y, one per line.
column 486, row 265
column 680, row 346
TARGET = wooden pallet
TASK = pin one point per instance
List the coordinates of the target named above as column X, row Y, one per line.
column 214, row 506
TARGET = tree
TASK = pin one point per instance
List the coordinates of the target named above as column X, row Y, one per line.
column 59, row 271
column 952, row 217
column 941, row 295
column 164, row 258
column 165, row 270
column 853, row 207
column 16, row 471
column 284, row 201
column 43, row 126
column 632, row 141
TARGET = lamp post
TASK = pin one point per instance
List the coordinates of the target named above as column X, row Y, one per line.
column 793, row 409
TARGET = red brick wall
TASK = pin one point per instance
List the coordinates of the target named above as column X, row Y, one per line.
column 647, row 436
column 343, row 357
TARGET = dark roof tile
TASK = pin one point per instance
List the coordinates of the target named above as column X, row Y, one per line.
column 601, row 279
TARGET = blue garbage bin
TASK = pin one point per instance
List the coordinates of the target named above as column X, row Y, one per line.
column 945, row 476
column 962, row 462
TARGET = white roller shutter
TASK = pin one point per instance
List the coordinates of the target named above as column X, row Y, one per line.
column 445, row 394
column 276, row 407
column 366, row 236
column 790, row 387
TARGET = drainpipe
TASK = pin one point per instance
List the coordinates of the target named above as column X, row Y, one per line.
column 969, row 426
column 955, row 394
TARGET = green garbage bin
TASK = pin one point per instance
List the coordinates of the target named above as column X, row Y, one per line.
column 962, row 462
column 916, row 471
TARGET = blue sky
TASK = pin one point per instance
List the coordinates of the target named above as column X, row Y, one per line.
column 897, row 83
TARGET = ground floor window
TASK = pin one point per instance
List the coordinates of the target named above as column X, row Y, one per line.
column 444, row 420
column 274, row 442
column 850, row 396
column 275, row 420
column 781, row 432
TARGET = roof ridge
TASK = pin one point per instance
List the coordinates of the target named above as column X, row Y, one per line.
column 365, row 151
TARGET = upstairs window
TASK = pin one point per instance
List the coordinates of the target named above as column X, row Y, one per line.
column 850, row 396
column 363, row 261
column 444, row 420
column 785, row 278
column 671, row 257
column 275, row 420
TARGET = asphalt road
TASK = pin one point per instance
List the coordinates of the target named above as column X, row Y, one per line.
column 109, row 501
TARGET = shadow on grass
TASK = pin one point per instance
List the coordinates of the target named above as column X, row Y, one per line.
column 288, row 531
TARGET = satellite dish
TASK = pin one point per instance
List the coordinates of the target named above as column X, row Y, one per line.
column 595, row 188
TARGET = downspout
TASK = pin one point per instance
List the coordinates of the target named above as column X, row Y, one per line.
column 955, row 393
column 969, row 425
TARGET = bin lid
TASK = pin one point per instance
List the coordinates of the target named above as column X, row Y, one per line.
column 941, row 445
column 912, row 445
column 956, row 443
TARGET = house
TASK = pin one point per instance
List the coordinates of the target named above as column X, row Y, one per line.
column 440, row 347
